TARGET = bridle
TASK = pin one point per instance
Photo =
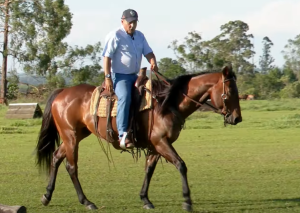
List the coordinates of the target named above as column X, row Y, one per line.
column 225, row 111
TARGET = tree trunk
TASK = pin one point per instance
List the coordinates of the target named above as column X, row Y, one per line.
column 4, row 53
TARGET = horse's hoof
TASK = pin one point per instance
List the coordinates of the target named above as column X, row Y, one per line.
column 187, row 207
column 148, row 206
column 45, row 201
column 91, row 206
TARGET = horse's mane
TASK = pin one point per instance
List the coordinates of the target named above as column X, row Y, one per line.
column 168, row 96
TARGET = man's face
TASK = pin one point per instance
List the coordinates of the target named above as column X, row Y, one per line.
column 129, row 26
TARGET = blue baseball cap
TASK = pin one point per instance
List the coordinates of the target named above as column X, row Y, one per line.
column 130, row 15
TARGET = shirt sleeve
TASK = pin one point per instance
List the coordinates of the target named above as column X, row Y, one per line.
column 146, row 48
column 110, row 46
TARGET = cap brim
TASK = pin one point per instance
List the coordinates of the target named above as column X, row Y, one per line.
column 130, row 19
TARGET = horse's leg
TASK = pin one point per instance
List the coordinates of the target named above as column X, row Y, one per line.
column 151, row 162
column 72, row 140
column 169, row 153
column 58, row 157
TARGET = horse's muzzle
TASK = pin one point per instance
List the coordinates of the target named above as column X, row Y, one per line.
column 233, row 120
column 237, row 120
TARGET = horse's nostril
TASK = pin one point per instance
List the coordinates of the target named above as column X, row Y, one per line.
column 237, row 120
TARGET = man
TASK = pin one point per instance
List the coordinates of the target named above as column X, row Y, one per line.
column 122, row 54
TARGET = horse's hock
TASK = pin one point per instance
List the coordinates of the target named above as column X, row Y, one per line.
column 12, row 209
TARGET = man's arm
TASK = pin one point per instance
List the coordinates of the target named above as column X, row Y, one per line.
column 107, row 65
column 107, row 68
column 152, row 60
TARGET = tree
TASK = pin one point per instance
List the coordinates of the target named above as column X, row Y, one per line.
column 233, row 45
column 190, row 52
column 82, row 65
column 291, row 55
column 55, row 81
column 268, row 85
column 288, row 76
column 33, row 33
column 170, row 68
column 291, row 91
column 266, row 60
column 13, row 87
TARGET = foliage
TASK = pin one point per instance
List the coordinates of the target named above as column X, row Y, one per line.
column 266, row 60
column 291, row 90
column 12, row 91
column 37, row 32
column 13, row 77
column 42, row 25
column 55, row 81
column 232, row 45
column 291, row 54
column 170, row 68
column 189, row 53
column 12, row 88
column 82, row 65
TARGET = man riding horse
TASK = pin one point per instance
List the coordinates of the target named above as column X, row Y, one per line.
column 122, row 54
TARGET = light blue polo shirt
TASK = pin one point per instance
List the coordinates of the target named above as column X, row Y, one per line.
column 126, row 52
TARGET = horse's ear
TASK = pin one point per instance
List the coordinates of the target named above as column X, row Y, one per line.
column 227, row 70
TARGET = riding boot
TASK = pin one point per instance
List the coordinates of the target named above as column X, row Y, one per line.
column 125, row 142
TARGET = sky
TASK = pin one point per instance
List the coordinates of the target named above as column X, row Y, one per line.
column 163, row 21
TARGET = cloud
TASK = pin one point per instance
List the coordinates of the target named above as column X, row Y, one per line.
column 276, row 17
column 279, row 20
column 90, row 27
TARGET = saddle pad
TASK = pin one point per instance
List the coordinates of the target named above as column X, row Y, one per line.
column 101, row 111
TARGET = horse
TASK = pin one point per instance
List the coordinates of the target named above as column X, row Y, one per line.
column 67, row 117
column 246, row 97
column 243, row 97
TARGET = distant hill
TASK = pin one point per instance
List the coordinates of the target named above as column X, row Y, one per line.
column 31, row 79
column 34, row 79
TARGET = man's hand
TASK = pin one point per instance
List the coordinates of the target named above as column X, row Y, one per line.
column 154, row 67
column 152, row 60
column 109, row 85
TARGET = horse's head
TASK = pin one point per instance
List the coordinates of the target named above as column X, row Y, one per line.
column 224, row 96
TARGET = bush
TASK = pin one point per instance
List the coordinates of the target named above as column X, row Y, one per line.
column 12, row 91
column 291, row 90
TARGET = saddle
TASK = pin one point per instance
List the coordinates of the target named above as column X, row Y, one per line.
column 104, row 104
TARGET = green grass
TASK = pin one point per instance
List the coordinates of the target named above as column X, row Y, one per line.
column 251, row 167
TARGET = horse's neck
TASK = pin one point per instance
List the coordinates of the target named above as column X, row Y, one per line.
column 198, row 90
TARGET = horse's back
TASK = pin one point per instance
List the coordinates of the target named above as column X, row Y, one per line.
column 78, row 91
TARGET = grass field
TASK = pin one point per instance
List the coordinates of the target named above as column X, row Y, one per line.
column 251, row 167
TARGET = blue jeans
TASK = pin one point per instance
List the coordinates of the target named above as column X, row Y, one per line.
column 123, row 84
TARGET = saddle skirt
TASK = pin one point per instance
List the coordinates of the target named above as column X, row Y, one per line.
column 100, row 111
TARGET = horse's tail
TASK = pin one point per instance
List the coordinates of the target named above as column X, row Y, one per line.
column 48, row 138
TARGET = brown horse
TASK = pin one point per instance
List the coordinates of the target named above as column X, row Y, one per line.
column 67, row 116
